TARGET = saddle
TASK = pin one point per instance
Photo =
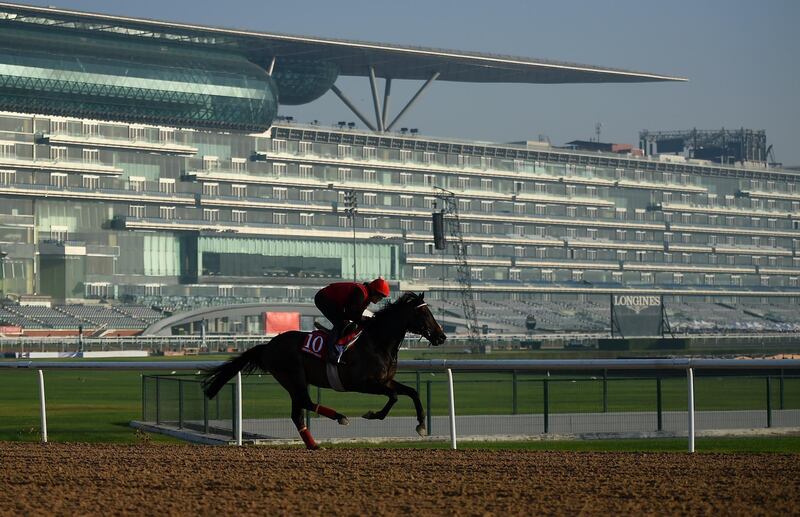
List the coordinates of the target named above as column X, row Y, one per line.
column 316, row 341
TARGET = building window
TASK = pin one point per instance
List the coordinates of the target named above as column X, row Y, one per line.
column 9, row 177
column 370, row 153
column 591, row 254
column 166, row 185
column 486, row 184
column 211, row 214
column 239, row 191
column 548, row 275
column 406, row 178
column 465, row 227
column 764, row 280
column 307, row 195
column 677, row 278
column 487, row 250
column 58, row 126
column 647, row 278
column 591, row 191
column 305, row 147
column 405, row 155
column 406, row 201
column 370, row 198
column 476, row 273
column 408, row 248
column 519, row 251
column 278, row 146
column 406, row 224
column 519, row 230
column 91, row 156
column 279, row 193
column 306, row 219
column 464, row 205
column 58, row 179
column 90, row 182
column 279, row 169
column 166, row 212
column 210, row 163
column 572, row 233
column 305, row 171
column 591, row 233
column 58, row 153
column 136, row 211
column 541, row 253
column 238, row 216
column 487, row 228
column 419, row 272
column 463, row 182
column 514, row 274
column 519, row 208
column 166, row 135
column 429, row 202
column 572, row 211
column 370, row 176
column 370, row 223
column 238, row 164
column 577, row 275
column 211, row 189
column 344, row 221
column 345, row 174
column 428, row 157
column 279, row 218
column 622, row 255
column 344, row 151
column 137, row 133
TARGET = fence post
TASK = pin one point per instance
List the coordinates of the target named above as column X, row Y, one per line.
column 205, row 414
column 428, row 403
column 513, row 392
column 769, row 401
column 546, row 386
column 158, row 400
column 238, row 408
column 180, row 404
column 452, row 409
column 690, row 407
column 659, row 405
column 42, row 407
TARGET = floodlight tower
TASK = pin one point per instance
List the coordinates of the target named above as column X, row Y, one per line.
column 351, row 202
column 463, row 276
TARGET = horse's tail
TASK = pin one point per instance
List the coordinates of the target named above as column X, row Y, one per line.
column 246, row 362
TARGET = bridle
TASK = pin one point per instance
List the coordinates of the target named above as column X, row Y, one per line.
column 423, row 333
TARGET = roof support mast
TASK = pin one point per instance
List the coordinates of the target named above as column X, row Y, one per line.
column 381, row 115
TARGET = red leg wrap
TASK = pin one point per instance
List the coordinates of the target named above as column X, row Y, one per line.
column 326, row 411
column 305, row 434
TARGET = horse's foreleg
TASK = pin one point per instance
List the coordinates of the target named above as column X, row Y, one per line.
column 402, row 389
column 380, row 415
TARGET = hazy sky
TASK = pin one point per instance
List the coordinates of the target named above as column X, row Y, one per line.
column 740, row 58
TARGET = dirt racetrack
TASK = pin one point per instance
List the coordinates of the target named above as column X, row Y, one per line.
column 84, row 479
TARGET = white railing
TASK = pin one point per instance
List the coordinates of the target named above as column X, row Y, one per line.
column 687, row 365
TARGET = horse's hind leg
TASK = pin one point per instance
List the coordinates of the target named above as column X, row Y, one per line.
column 298, row 391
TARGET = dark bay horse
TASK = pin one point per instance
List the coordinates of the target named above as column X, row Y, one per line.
column 370, row 364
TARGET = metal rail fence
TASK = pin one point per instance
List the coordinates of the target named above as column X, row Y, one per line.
column 777, row 378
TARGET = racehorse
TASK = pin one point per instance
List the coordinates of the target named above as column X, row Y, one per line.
column 370, row 364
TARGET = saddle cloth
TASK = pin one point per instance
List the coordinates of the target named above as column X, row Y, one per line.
column 316, row 342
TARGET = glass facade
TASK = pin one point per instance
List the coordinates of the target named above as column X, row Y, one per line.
column 55, row 72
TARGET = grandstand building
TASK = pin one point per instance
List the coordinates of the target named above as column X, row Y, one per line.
column 144, row 162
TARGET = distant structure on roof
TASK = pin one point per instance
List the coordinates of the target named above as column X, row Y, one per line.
column 743, row 146
column 604, row 147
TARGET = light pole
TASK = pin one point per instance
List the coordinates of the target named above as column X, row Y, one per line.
column 351, row 203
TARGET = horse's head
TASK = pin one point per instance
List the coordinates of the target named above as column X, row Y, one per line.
column 421, row 319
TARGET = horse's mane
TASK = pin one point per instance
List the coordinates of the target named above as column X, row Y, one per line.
column 391, row 308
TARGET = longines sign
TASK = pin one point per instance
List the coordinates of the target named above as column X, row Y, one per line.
column 636, row 303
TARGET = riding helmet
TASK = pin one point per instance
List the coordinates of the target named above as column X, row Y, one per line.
column 379, row 285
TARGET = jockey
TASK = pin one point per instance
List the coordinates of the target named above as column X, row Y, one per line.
column 343, row 303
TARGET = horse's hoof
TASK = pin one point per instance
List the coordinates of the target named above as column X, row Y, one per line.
column 421, row 430
column 369, row 415
column 343, row 420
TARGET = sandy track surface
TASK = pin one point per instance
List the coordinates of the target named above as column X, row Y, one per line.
column 86, row 479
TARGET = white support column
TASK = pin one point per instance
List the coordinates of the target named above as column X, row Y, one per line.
column 42, row 407
column 452, row 409
column 375, row 100
column 690, row 407
column 238, row 409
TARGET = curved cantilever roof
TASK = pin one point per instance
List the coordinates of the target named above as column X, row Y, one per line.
column 354, row 58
